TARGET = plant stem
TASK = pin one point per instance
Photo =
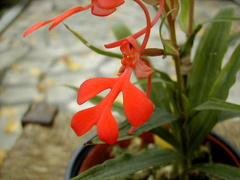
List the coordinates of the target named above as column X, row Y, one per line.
column 191, row 18
column 177, row 62
column 184, row 164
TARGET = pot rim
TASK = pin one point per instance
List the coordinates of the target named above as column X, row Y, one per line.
column 227, row 146
column 77, row 155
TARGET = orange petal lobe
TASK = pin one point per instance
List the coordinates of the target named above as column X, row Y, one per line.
column 107, row 127
column 35, row 26
column 92, row 87
column 84, row 120
column 65, row 15
column 138, row 108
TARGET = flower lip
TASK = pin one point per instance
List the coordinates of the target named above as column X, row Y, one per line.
column 101, row 115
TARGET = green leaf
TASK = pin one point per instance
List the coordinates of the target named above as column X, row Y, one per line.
column 129, row 163
column 220, row 170
column 186, row 49
column 216, row 104
column 71, row 87
column 207, row 78
column 184, row 15
column 158, row 118
column 225, row 115
column 208, row 59
column 162, row 89
column 95, row 49
column 224, row 19
column 227, row 76
column 170, row 48
column 121, row 31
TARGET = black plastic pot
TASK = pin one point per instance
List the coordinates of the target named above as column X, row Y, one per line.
column 220, row 148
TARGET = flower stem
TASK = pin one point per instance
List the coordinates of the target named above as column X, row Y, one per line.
column 177, row 62
column 141, row 32
column 191, row 16
column 148, row 27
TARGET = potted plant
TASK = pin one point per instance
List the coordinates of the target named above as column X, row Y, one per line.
column 181, row 112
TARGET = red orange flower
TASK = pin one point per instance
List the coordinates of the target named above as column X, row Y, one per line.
column 137, row 107
column 98, row 8
column 131, row 58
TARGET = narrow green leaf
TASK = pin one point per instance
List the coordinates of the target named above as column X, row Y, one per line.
column 170, row 48
column 208, row 59
column 227, row 76
column 184, row 15
column 158, row 118
column 199, row 127
column 224, row 19
column 207, row 75
column 225, row 115
column 162, row 90
column 220, row 170
column 121, row 31
column 216, row 104
column 186, row 49
column 129, row 163
column 95, row 49
column 71, row 87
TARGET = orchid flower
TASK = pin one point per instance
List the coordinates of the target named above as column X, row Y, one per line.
column 98, row 8
column 137, row 107
column 131, row 58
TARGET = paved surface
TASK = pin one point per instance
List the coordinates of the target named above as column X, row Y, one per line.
column 34, row 69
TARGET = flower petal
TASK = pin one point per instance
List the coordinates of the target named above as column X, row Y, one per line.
column 66, row 14
column 92, row 87
column 97, row 11
column 108, row 4
column 107, row 127
column 138, row 108
column 84, row 120
column 142, row 70
column 35, row 26
column 57, row 19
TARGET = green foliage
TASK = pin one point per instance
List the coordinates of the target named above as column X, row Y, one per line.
column 216, row 104
column 184, row 15
column 129, row 163
column 208, row 59
column 221, row 171
column 206, row 76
